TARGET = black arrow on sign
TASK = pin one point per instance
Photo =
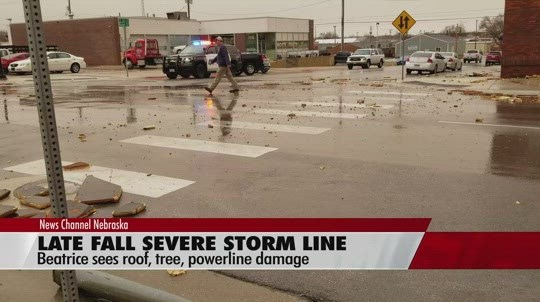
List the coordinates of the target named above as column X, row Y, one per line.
column 406, row 19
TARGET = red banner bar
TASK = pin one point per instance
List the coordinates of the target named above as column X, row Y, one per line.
column 478, row 251
column 221, row 225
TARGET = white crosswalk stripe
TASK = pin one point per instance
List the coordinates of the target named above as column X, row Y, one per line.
column 311, row 114
column 390, row 93
column 137, row 183
column 270, row 127
column 198, row 145
column 346, row 105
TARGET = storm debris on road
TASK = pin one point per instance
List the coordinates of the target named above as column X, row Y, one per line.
column 149, row 127
column 4, row 193
column 7, row 211
column 77, row 166
column 96, row 191
column 82, row 137
column 28, row 213
column 39, row 188
column 130, row 209
column 210, row 126
column 479, row 120
column 75, row 210
column 36, row 202
column 176, row 273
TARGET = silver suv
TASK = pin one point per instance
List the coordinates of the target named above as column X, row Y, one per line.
column 366, row 57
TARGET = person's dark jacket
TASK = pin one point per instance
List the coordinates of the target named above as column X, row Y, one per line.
column 222, row 58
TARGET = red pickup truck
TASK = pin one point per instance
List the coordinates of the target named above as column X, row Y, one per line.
column 494, row 57
column 145, row 52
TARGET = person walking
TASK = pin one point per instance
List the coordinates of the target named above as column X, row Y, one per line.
column 224, row 62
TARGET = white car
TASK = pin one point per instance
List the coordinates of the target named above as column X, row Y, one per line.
column 452, row 61
column 429, row 61
column 58, row 62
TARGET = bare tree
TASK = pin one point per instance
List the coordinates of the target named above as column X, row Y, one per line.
column 494, row 27
column 328, row 35
column 455, row 30
column 3, row 36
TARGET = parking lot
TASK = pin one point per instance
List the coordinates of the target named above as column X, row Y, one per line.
column 304, row 142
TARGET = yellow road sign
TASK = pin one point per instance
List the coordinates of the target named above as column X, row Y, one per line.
column 404, row 22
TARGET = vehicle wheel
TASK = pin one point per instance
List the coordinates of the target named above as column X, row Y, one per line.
column 409, row 71
column 207, row 75
column 185, row 75
column 142, row 66
column 350, row 67
column 249, row 69
column 265, row 70
column 381, row 64
column 75, row 68
column 368, row 65
column 434, row 71
column 172, row 76
column 200, row 71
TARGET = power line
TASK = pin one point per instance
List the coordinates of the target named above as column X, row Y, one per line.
column 419, row 20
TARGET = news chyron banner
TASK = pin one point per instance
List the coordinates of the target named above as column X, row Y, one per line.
column 262, row 244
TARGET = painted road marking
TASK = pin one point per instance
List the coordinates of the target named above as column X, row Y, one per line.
column 348, row 105
column 373, row 97
column 153, row 186
column 311, row 114
column 391, row 93
column 490, row 125
column 198, row 145
column 271, row 127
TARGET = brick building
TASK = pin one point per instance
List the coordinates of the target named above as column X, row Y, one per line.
column 521, row 39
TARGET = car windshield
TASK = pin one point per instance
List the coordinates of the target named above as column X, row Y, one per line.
column 472, row 51
column 422, row 55
column 193, row 50
column 12, row 56
column 363, row 52
column 496, row 53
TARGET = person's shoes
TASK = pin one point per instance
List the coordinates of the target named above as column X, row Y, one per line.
column 208, row 89
column 234, row 90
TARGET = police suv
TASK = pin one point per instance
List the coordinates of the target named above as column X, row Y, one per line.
column 195, row 59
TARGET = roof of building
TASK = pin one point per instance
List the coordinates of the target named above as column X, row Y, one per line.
column 337, row 40
column 440, row 37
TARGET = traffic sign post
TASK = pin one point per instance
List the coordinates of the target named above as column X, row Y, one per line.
column 403, row 23
column 124, row 22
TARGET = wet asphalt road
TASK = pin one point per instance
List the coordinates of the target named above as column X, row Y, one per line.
column 384, row 149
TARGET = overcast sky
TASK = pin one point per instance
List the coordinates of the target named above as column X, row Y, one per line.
column 326, row 13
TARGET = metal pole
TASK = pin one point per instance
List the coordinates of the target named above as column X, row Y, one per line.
column 125, row 52
column 377, row 40
column 342, row 23
column 476, row 35
column 143, row 11
column 335, row 35
column 49, row 132
column 403, row 57
column 188, row 9
column 2, row 75
column 70, row 14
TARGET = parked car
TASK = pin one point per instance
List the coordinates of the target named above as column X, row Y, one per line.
column 422, row 61
column 254, row 62
column 452, row 61
column 473, row 55
column 341, row 57
column 14, row 57
column 178, row 49
column 194, row 61
column 58, row 62
column 494, row 57
column 365, row 58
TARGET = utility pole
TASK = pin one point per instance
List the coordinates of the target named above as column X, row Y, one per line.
column 70, row 13
column 342, row 23
column 476, row 35
column 142, row 5
column 189, row 2
column 377, row 40
column 335, row 35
